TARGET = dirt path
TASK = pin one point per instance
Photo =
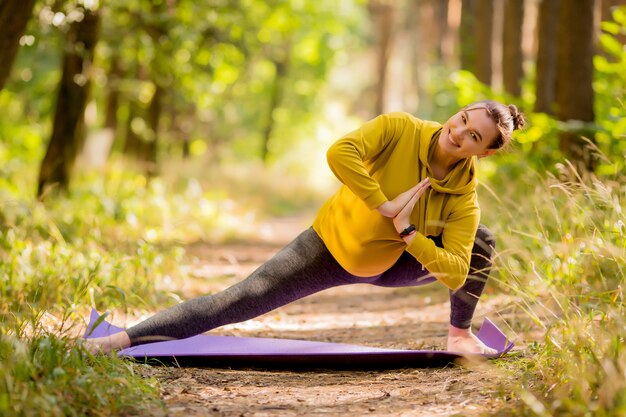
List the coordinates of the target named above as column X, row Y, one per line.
column 360, row 314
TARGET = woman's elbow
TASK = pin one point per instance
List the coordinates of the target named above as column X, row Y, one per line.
column 457, row 280
column 331, row 154
column 457, row 283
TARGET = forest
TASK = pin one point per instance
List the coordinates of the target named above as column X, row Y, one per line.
column 153, row 151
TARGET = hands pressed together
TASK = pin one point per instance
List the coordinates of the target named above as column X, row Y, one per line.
column 401, row 207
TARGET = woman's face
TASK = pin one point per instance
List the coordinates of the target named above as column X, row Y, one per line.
column 468, row 133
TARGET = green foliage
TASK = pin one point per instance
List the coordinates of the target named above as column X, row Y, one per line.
column 106, row 245
column 610, row 87
column 563, row 258
column 47, row 376
column 539, row 141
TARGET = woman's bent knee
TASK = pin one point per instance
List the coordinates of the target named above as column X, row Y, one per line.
column 485, row 241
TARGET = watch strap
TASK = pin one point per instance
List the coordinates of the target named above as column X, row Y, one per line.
column 409, row 230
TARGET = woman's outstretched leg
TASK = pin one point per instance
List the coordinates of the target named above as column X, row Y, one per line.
column 463, row 301
column 302, row 268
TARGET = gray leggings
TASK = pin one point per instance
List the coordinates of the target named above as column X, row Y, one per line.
column 304, row 267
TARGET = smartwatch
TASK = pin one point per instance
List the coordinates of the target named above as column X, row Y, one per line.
column 409, row 230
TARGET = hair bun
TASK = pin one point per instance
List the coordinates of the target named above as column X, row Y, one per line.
column 518, row 118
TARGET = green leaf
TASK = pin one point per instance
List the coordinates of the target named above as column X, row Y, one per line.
column 611, row 45
column 610, row 27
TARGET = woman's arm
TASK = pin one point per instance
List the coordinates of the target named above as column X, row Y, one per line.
column 449, row 264
column 347, row 157
column 394, row 207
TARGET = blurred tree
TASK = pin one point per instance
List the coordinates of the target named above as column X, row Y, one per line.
column 484, row 40
column 418, row 19
column 187, row 77
column 512, row 69
column 434, row 20
column 14, row 16
column 467, row 37
column 280, row 60
column 114, row 77
column 476, row 33
column 159, row 26
column 67, row 132
column 148, row 56
column 574, row 76
column 545, row 82
column 443, row 29
column 224, row 68
column 382, row 14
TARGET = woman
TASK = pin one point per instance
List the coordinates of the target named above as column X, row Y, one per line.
column 407, row 214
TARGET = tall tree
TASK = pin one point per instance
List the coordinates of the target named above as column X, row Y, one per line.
column 512, row 58
column 467, row 39
column 151, row 60
column 155, row 110
column 114, row 78
column 574, row 91
column 281, row 66
column 545, row 83
column 476, row 38
column 14, row 16
column 67, row 133
column 382, row 13
column 435, row 18
column 484, row 40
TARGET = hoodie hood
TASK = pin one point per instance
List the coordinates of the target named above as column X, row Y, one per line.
column 461, row 179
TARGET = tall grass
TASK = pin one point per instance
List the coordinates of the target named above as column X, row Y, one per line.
column 56, row 261
column 46, row 376
column 563, row 259
column 116, row 242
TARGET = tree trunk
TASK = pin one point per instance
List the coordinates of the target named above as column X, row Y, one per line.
column 574, row 91
column 467, row 39
column 67, row 133
column 186, row 150
column 113, row 96
column 545, row 83
column 434, row 27
column 484, row 39
column 418, row 59
column 154, row 117
column 441, row 23
column 382, row 13
column 512, row 58
column 281, row 67
column 14, row 16
column 451, row 50
column 132, row 144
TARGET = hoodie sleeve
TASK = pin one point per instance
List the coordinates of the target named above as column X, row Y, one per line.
column 347, row 157
column 450, row 264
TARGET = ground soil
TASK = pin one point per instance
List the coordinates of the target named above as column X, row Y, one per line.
column 413, row 318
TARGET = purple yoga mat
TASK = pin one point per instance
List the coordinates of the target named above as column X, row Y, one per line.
column 253, row 351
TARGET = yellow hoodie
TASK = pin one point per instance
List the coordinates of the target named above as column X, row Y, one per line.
column 383, row 158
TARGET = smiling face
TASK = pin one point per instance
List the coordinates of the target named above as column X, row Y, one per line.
column 468, row 133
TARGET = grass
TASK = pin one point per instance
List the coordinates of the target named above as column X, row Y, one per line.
column 46, row 376
column 563, row 258
column 115, row 243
